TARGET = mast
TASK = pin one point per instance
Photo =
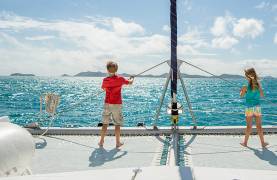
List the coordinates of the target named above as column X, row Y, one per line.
column 173, row 62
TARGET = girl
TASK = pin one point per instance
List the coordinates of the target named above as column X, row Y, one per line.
column 252, row 94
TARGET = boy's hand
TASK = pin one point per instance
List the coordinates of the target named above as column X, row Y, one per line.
column 131, row 79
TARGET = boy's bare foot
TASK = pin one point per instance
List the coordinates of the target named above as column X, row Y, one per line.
column 243, row 144
column 265, row 144
column 100, row 144
column 118, row 145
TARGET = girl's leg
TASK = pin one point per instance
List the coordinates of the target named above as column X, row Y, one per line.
column 103, row 133
column 260, row 130
column 248, row 130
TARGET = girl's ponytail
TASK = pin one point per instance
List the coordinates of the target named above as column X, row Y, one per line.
column 252, row 77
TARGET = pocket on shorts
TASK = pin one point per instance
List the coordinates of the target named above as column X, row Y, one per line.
column 116, row 110
column 106, row 110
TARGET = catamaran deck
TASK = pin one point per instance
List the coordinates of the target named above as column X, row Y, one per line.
column 64, row 153
column 224, row 151
column 206, row 153
column 74, row 153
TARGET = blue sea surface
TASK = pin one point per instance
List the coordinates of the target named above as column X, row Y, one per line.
column 212, row 101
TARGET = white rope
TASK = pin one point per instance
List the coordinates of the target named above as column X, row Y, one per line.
column 51, row 101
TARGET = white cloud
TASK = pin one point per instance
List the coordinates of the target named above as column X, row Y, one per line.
column 166, row 28
column 126, row 28
column 39, row 38
column 263, row 5
column 81, row 45
column 222, row 25
column 268, row 6
column 224, row 42
column 89, row 43
column 188, row 5
column 222, row 29
column 274, row 7
column 264, row 67
column 193, row 37
column 226, row 27
column 92, row 41
column 248, row 28
column 275, row 38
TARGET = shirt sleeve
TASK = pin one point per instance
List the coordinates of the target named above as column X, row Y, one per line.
column 105, row 83
column 124, row 81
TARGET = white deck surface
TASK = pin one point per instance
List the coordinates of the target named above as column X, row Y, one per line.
column 74, row 153
column 159, row 173
column 226, row 152
column 146, row 173
column 209, row 157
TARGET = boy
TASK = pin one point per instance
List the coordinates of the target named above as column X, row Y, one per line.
column 113, row 102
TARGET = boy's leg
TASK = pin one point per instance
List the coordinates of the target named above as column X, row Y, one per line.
column 103, row 133
column 248, row 130
column 116, row 110
column 105, row 120
column 260, row 130
column 117, row 136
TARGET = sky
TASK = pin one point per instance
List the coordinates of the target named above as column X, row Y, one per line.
column 50, row 38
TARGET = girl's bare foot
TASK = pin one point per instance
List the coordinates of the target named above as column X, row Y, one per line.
column 265, row 144
column 118, row 145
column 243, row 144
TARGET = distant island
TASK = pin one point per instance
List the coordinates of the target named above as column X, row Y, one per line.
column 101, row 74
column 21, row 74
column 91, row 74
column 164, row 75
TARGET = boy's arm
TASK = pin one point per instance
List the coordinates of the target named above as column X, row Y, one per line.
column 243, row 91
column 128, row 81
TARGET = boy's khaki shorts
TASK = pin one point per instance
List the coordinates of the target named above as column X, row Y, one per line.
column 113, row 111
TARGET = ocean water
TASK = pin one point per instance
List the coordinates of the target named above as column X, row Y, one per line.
column 214, row 101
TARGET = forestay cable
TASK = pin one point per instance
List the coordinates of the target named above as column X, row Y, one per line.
column 231, row 82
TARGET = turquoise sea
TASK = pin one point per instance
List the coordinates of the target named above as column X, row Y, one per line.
column 19, row 99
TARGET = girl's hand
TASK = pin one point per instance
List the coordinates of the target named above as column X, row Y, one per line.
column 243, row 91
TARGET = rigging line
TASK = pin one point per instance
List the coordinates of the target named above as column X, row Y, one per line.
column 149, row 69
column 231, row 82
column 80, row 102
column 100, row 92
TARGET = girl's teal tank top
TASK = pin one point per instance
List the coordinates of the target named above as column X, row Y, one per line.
column 252, row 97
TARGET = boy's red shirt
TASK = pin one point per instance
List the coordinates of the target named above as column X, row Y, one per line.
column 113, row 85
